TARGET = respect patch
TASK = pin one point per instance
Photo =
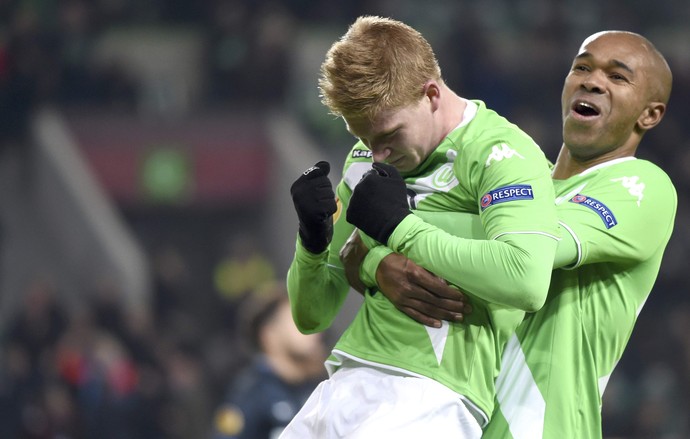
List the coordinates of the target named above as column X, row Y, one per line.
column 505, row 194
column 598, row 207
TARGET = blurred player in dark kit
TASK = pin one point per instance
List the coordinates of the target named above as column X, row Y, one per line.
column 287, row 366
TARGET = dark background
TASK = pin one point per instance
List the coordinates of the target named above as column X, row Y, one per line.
column 146, row 148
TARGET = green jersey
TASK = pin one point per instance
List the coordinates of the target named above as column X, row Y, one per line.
column 556, row 368
column 486, row 166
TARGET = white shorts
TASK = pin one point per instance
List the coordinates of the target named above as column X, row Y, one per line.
column 365, row 403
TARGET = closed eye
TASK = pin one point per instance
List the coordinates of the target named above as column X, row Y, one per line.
column 385, row 138
column 618, row 77
column 389, row 135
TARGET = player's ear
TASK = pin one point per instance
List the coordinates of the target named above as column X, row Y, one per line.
column 651, row 115
column 432, row 92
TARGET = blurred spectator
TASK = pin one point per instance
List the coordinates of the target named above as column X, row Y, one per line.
column 38, row 326
column 186, row 408
column 248, row 54
column 171, row 286
column 26, row 55
column 241, row 269
column 285, row 368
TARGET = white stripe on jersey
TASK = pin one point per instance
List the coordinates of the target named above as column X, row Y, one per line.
column 355, row 173
column 438, row 338
column 518, row 395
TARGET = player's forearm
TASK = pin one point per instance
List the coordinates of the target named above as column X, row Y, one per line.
column 317, row 290
column 513, row 270
column 568, row 251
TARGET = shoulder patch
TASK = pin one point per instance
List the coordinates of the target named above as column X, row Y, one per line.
column 505, row 194
column 598, row 207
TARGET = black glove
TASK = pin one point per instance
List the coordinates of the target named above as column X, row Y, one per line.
column 314, row 201
column 379, row 202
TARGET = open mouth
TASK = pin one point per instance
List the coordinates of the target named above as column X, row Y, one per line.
column 585, row 109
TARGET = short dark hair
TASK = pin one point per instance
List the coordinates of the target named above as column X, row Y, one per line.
column 259, row 310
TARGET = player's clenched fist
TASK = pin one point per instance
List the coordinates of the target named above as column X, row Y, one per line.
column 314, row 199
column 379, row 202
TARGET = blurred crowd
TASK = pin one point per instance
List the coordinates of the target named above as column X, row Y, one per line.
column 105, row 371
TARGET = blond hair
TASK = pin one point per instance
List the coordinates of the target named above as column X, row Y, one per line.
column 379, row 64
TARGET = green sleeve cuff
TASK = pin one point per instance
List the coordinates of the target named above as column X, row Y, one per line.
column 304, row 255
column 401, row 233
column 367, row 272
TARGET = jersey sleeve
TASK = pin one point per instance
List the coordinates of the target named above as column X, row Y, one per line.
column 370, row 264
column 624, row 218
column 512, row 184
column 316, row 283
column 509, row 180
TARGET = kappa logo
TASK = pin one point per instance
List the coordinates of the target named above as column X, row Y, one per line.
column 634, row 186
column 500, row 152
column 361, row 153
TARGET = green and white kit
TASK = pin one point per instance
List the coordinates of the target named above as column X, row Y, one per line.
column 487, row 167
column 555, row 369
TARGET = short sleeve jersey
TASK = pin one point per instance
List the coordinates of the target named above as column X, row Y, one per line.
column 556, row 368
column 486, row 166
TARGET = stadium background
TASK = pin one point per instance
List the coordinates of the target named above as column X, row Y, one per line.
column 146, row 150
